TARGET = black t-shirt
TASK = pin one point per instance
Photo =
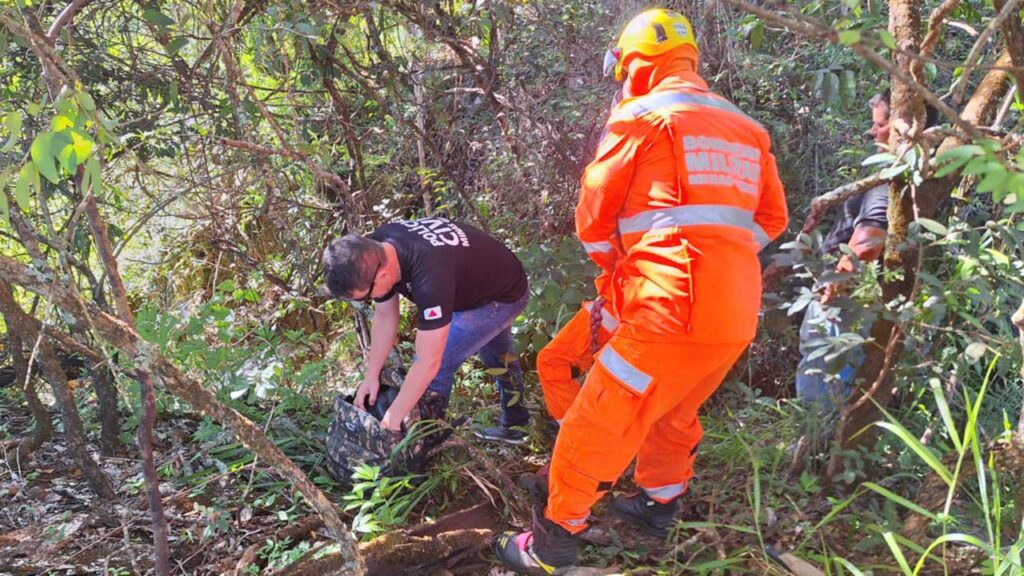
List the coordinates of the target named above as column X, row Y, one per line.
column 867, row 209
column 449, row 266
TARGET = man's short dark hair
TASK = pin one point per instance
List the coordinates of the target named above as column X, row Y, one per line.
column 350, row 263
column 931, row 113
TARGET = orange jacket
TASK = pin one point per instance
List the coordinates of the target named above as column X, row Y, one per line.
column 685, row 188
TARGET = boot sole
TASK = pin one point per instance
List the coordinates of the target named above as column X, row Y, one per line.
column 625, row 516
column 509, row 441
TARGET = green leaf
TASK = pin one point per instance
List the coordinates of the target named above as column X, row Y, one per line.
column 13, row 124
column 63, row 150
column 847, row 37
column 920, row 449
column 82, row 144
column 86, row 101
column 61, row 122
column 154, row 16
column 757, row 35
column 175, row 46
column 933, row 226
column 975, row 350
column 27, row 173
column 92, row 169
column 880, row 158
column 886, row 37
column 848, row 87
column 42, row 157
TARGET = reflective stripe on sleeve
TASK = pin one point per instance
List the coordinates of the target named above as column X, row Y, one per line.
column 620, row 368
column 597, row 247
column 760, row 236
column 666, row 493
column 652, row 102
column 608, row 320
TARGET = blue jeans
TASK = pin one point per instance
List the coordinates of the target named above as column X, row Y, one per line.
column 487, row 331
column 820, row 383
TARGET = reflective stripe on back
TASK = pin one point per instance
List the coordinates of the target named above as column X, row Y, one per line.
column 690, row 215
column 621, row 368
column 597, row 247
column 652, row 102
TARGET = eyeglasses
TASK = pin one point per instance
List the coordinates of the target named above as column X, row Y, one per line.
column 369, row 293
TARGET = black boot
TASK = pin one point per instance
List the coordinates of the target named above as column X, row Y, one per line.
column 547, row 549
column 654, row 517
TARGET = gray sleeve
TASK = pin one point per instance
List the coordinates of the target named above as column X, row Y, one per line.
column 874, row 208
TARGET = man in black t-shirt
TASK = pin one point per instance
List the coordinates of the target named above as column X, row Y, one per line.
column 862, row 226
column 467, row 288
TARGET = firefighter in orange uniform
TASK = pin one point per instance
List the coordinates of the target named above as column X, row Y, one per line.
column 685, row 188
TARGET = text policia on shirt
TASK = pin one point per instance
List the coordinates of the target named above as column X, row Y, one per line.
column 438, row 231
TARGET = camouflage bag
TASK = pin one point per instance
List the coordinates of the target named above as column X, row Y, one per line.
column 356, row 437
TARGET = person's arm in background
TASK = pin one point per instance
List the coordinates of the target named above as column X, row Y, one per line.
column 383, row 335
column 869, row 235
column 430, row 346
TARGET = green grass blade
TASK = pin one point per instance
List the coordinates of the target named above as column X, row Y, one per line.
column 897, row 553
column 918, row 448
column 947, row 415
column 901, row 500
column 955, row 537
column 854, row 571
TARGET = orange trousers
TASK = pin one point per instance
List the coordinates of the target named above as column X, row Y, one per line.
column 639, row 400
column 568, row 356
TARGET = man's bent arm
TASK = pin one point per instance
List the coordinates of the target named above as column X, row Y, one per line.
column 429, row 351
column 383, row 335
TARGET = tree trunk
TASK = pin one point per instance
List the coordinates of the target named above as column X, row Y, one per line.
column 110, row 416
column 144, row 436
column 42, row 432
column 872, row 382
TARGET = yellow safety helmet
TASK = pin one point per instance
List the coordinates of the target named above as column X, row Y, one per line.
column 651, row 33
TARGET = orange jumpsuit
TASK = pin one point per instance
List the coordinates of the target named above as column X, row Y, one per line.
column 570, row 354
column 685, row 188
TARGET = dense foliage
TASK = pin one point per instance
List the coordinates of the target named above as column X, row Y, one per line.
column 225, row 142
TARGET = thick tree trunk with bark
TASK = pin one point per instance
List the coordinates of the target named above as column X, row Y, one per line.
column 110, row 415
column 42, row 432
column 873, row 382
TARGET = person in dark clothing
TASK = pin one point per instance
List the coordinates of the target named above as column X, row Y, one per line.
column 862, row 226
column 467, row 288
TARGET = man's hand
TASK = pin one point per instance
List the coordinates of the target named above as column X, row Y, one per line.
column 392, row 422
column 368, row 389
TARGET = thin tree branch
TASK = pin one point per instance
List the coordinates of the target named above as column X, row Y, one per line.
column 64, row 18
column 1009, row 9
column 807, row 27
column 935, row 26
column 145, row 432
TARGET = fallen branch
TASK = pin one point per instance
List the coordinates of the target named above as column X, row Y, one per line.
column 822, row 204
